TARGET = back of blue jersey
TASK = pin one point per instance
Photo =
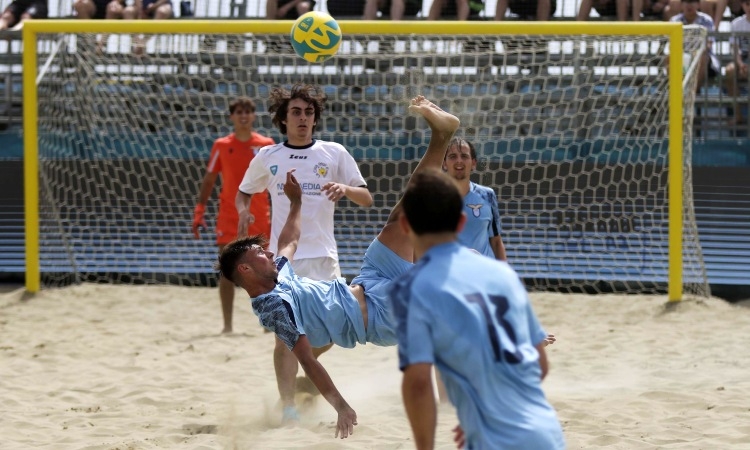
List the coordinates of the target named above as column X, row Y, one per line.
column 469, row 315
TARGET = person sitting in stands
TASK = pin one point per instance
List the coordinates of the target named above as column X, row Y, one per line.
column 20, row 10
column 608, row 8
column 526, row 9
column 369, row 9
column 147, row 9
column 288, row 9
column 460, row 9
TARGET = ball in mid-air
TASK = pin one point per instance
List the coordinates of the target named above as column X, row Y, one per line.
column 316, row 36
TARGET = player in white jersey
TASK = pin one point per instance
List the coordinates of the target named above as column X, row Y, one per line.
column 482, row 229
column 326, row 173
column 317, row 165
column 305, row 313
column 470, row 317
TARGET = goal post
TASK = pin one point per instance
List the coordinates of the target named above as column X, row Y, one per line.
column 509, row 101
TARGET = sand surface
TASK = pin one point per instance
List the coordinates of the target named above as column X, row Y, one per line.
column 141, row 367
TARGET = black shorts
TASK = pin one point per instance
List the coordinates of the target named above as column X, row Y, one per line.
column 342, row 8
column 147, row 3
column 292, row 13
column 475, row 7
column 411, row 7
column 37, row 9
column 101, row 8
column 608, row 9
column 526, row 9
column 712, row 73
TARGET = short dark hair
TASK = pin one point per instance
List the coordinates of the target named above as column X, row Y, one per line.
column 280, row 99
column 232, row 253
column 458, row 142
column 432, row 203
column 242, row 103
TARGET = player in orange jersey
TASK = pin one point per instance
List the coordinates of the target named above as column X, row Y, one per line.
column 230, row 157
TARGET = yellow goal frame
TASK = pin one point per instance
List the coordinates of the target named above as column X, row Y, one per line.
column 30, row 68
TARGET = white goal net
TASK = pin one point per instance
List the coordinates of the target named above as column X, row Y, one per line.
column 572, row 132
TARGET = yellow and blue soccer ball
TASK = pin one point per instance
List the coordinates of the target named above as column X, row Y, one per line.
column 316, row 36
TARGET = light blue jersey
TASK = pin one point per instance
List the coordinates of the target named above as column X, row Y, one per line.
column 470, row 316
column 482, row 219
column 325, row 311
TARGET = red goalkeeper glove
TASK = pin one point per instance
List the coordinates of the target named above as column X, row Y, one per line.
column 198, row 220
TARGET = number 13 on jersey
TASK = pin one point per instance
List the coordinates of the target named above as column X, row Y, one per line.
column 509, row 355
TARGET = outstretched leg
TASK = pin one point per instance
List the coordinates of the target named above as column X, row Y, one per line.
column 443, row 125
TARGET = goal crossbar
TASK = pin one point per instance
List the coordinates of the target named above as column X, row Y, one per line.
column 673, row 31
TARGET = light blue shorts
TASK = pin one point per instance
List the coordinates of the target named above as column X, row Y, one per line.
column 381, row 265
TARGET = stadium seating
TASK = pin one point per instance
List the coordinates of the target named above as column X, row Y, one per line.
column 722, row 222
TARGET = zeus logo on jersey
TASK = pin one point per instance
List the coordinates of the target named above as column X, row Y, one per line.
column 475, row 209
column 297, row 156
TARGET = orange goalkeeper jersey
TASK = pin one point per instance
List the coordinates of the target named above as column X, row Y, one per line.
column 230, row 158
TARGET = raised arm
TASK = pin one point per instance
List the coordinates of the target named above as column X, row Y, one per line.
column 246, row 218
column 347, row 418
column 289, row 236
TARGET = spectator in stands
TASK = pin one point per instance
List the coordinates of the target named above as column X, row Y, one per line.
column 230, row 156
column 526, row 9
column 482, row 228
column 20, row 10
column 395, row 9
column 736, row 70
column 288, row 9
column 735, row 10
column 609, row 8
column 714, row 8
column 656, row 9
column 369, row 9
column 147, row 9
column 460, row 9
column 327, row 173
column 99, row 9
column 690, row 15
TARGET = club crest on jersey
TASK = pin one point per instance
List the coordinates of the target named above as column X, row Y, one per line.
column 274, row 169
column 475, row 209
column 321, row 170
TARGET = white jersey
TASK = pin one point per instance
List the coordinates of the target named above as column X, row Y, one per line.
column 741, row 25
column 316, row 164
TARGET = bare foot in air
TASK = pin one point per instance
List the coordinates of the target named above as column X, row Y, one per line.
column 438, row 119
